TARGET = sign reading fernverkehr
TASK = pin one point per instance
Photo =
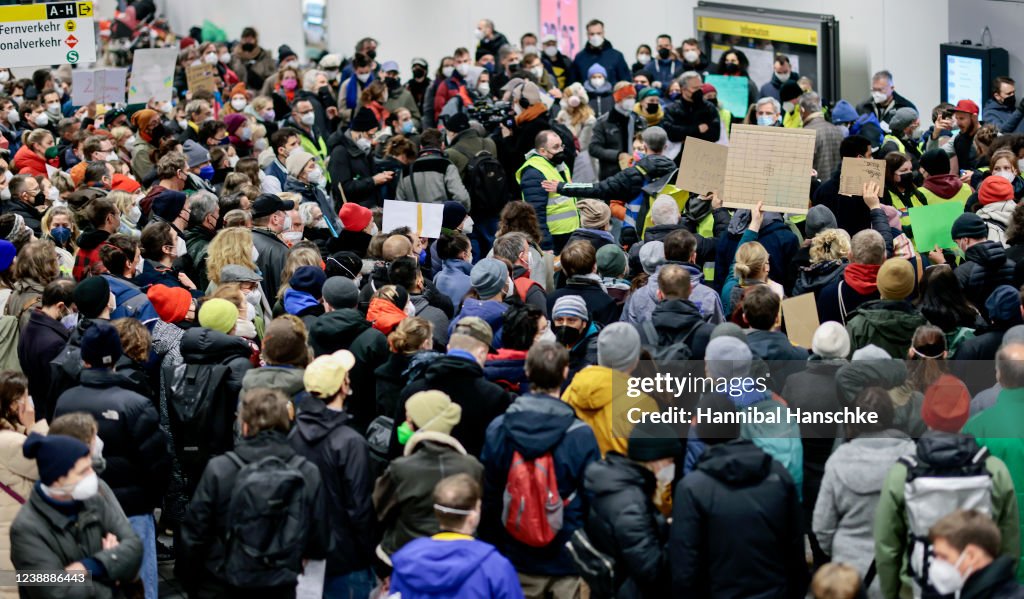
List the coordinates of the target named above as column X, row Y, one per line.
column 47, row 34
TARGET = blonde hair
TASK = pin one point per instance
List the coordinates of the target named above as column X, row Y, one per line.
column 120, row 133
column 135, row 338
column 751, row 260
column 830, row 244
column 230, row 246
column 261, row 103
column 299, row 256
column 410, row 335
column 122, row 199
column 73, row 224
column 35, row 136
column 835, row 581
column 233, row 293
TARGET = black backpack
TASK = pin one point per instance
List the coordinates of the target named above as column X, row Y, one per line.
column 663, row 354
column 596, row 567
column 268, row 522
column 200, row 415
column 487, row 185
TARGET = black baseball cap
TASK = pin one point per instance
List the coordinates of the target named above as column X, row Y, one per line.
column 268, row 203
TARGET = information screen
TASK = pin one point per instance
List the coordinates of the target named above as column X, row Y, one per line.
column 964, row 80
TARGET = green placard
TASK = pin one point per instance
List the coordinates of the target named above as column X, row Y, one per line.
column 933, row 225
column 732, row 93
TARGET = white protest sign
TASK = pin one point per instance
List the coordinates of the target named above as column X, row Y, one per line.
column 422, row 219
column 152, row 75
column 103, row 87
column 46, row 34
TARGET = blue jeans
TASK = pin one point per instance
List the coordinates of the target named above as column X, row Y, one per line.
column 354, row 585
column 145, row 527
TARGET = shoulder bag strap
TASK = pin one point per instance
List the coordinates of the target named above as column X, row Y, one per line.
column 14, row 494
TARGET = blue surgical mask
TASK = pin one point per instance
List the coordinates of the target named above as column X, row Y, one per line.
column 423, row 256
column 765, row 121
column 408, row 127
column 206, row 172
column 61, row 234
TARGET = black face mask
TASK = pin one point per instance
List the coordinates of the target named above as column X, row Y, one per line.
column 663, row 53
column 731, row 69
column 248, row 47
column 40, row 198
column 157, row 134
column 906, row 180
column 372, row 54
column 698, row 96
column 653, row 108
column 393, row 83
column 918, row 178
column 566, row 335
column 419, row 73
column 1010, row 102
column 513, row 67
column 557, row 159
column 714, row 101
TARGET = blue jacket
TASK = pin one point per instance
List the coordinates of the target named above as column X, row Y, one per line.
column 452, row 565
column 155, row 273
column 125, row 290
column 665, row 71
column 491, row 311
column 535, row 425
column 1006, row 120
column 780, row 243
column 608, row 57
column 274, row 170
column 642, row 302
column 453, row 280
column 507, row 368
column 783, row 358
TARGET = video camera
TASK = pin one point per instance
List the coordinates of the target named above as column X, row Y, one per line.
column 491, row 116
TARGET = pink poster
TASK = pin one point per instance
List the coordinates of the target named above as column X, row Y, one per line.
column 561, row 18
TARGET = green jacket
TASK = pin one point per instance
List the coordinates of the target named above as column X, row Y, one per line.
column 888, row 324
column 999, row 429
column 892, row 536
column 197, row 241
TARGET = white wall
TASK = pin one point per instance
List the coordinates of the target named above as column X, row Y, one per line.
column 968, row 19
column 277, row 21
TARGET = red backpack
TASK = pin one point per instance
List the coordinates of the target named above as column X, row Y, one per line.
column 532, row 507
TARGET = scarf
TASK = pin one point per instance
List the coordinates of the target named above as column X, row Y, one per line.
column 353, row 90
column 863, row 278
column 652, row 119
column 531, row 113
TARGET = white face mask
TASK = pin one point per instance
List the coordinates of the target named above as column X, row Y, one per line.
column 484, row 88
column 627, row 104
column 308, row 119
column 1008, row 175
column 787, row 107
column 210, row 58
column 254, row 254
column 292, row 237
column 245, row 134
column 463, row 68
column 238, row 104
column 134, row 214
column 691, row 56
column 253, row 297
column 596, row 82
column 167, row 108
column 537, row 71
column 364, row 144
column 547, row 335
column 363, row 77
column 666, row 475
column 4, row 76
column 643, row 59
column 530, row 50
column 478, row 34
column 946, row 577
column 41, row 120
column 596, row 40
column 250, row 312
column 183, row 123
column 1020, row 165
column 244, row 328
column 53, row 194
column 112, row 156
column 287, row 223
column 315, row 175
column 410, row 308
column 180, row 247
column 878, row 97
column 13, row 116
column 232, row 161
column 83, row 489
column 260, row 145
column 224, row 58
column 130, row 141
column 467, row 225
column 97, row 447
column 53, row 108
column 551, row 51
column 70, row 321
column 5, row 194
column 447, row 71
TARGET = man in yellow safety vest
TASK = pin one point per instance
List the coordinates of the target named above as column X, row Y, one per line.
column 556, row 213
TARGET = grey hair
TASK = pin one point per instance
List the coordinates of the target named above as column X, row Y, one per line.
column 1009, row 369
column 306, row 212
column 810, row 102
column 665, row 211
column 201, row 205
column 195, row 106
column 655, row 139
column 687, row 76
column 309, row 79
column 510, row 245
column 882, row 75
column 867, row 247
column 769, row 100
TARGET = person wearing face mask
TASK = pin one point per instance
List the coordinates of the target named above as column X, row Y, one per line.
column 252, row 63
column 648, row 106
column 781, row 73
column 691, row 115
column 26, row 195
column 305, row 178
column 573, row 329
column 995, row 206
column 630, row 495
column 612, row 141
column 420, row 82
column 311, row 135
column 901, row 191
column 985, row 266
column 45, row 336
column 643, row 58
column 348, row 94
column 197, row 112
column 556, row 63
column 900, row 138
column 734, row 63
column 454, row 85
column 138, row 462
column 199, row 175
column 969, row 559
column 351, row 165
column 531, row 64
column 432, row 178
column 269, row 220
column 159, row 249
column 36, row 151
column 665, row 67
column 693, row 56
column 399, row 96
column 599, row 90
column 766, row 113
column 105, row 545
column 599, row 51
column 884, row 101
column 490, row 41
column 556, row 213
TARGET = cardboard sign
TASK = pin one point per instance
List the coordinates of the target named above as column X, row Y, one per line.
column 152, row 75
column 423, row 219
column 34, row 35
column 858, row 171
column 770, row 165
column 103, row 87
column 800, row 315
column 702, row 168
column 733, row 93
column 933, row 225
column 201, row 77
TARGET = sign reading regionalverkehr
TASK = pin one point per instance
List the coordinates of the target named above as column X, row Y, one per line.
column 47, row 34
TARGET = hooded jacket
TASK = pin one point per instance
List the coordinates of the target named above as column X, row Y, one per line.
column 404, row 495
column 453, row 280
column 674, row 319
column 322, row 436
column 997, row 216
column 844, row 514
column 985, row 267
column 891, row 532
column 995, row 581
column 87, row 260
column 432, row 179
column 602, row 307
column 286, row 379
column 816, row 277
column 643, row 301
column 124, row 290
column 782, row 356
column 453, row 565
column 41, row 340
column 623, row 523
column 491, row 311
column 737, row 486
column 463, row 380
column 535, row 425
column 598, row 396
column 889, row 324
column 507, row 367
column 944, row 186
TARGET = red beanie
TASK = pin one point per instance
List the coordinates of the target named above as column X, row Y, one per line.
column 354, row 217
column 170, row 303
column 626, row 91
column 947, row 404
column 994, row 189
column 125, row 183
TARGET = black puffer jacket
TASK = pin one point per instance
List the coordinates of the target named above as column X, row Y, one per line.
column 138, row 463
column 986, row 267
column 609, row 140
column 352, row 169
column 623, row 185
column 674, row 319
column 815, row 277
column 624, row 523
column 738, row 487
column 323, row 437
column 683, row 119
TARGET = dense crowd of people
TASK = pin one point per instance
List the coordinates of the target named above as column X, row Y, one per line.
column 213, row 355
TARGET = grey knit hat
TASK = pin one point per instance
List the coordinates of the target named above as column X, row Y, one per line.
column 618, row 346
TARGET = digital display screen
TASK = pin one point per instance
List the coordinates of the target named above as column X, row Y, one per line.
column 964, row 80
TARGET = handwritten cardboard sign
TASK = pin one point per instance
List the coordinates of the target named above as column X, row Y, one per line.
column 858, row 171
column 702, row 168
column 770, row 165
column 800, row 315
column 201, row 77
column 423, row 219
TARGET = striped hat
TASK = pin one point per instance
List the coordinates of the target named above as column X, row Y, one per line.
column 571, row 306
